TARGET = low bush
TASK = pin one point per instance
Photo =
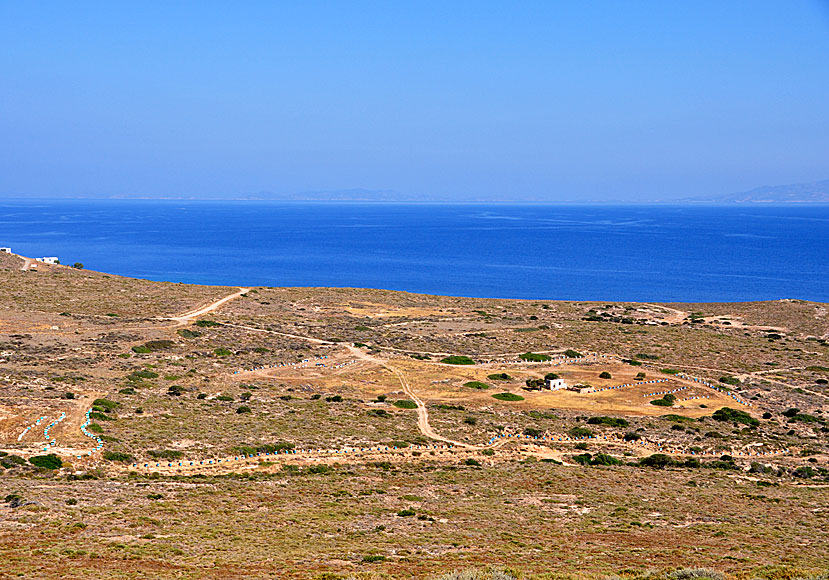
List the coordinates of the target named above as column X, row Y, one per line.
column 476, row 385
column 50, row 461
column 207, row 324
column 507, row 397
column 605, row 375
column 118, row 456
column 534, row 357
column 165, row 454
column 185, row 333
column 657, row 460
column 499, row 377
column 609, row 421
column 570, row 353
column 735, row 416
column 729, row 380
column 580, row 432
column 222, row 352
column 242, row 410
column 457, row 360
column 405, row 404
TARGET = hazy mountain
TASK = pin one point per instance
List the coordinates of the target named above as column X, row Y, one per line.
column 816, row 192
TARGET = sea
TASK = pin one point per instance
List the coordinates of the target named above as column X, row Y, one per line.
column 665, row 253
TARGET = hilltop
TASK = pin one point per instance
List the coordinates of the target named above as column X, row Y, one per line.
column 222, row 432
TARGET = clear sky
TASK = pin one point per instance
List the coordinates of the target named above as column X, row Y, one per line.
column 493, row 100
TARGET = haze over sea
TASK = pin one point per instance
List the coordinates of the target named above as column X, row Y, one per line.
column 614, row 253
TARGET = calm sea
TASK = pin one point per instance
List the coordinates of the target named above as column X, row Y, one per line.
column 643, row 253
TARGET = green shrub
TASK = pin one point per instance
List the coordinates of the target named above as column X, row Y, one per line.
column 142, row 374
column 405, row 404
column 185, row 333
column 10, row 460
column 670, row 371
column 657, row 460
column 609, row 421
column 476, row 385
column 225, row 398
column 472, row 462
column 534, row 384
column 243, row 409
column 406, row 513
column 729, row 380
column 632, row 436
column 118, row 456
column 735, row 416
column 106, row 404
column 457, row 360
column 583, row 459
column 570, row 353
column 470, row 421
column 207, row 323
column 95, row 428
column 551, row 377
column 165, row 454
column 580, row 432
column 127, row 391
column 100, row 417
column 604, row 459
column 508, row 397
column 499, row 377
column 663, row 402
column 605, row 375
column 374, row 558
column 222, row 352
column 50, row 461
column 534, row 357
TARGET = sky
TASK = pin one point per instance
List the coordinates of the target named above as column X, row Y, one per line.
column 549, row 100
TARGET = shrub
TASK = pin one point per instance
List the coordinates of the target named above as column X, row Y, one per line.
column 142, row 374
column 570, row 353
column 100, row 417
column 804, row 472
column 476, row 385
column 374, row 558
column 632, row 436
column 580, row 432
column 609, row 421
column 243, row 409
column 106, row 404
column 457, row 360
column 154, row 496
column 534, row 357
column 165, row 454
column 118, row 456
column 226, row 398
column 127, row 391
column 472, row 462
column 68, row 396
column 533, row 432
column 222, row 352
column 734, row 415
column 334, row 399
column 175, row 390
column 605, row 375
column 662, row 402
column 657, row 460
column 50, row 461
column 207, row 323
column 201, row 396
column 604, row 459
column 10, row 460
column 470, row 421
column 583, row 459
column 499, row 377
column 729, row 380
column 405, row 404
column 534, row 384
column 670, row 371
column 640, row 376
column 551, row 377
column 95, row 428
column 507, row 397
column 186, row 333
column 406, row 513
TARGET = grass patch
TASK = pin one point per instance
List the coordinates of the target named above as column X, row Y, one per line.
column 507, row 397
column 476, row 385
column 457, row 360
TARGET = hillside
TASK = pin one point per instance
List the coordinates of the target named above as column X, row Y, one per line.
column 218, row 432
column 816, row 192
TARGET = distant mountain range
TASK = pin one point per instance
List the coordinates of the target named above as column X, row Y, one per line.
column 817, row 192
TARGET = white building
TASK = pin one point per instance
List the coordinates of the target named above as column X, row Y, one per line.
column 6, row 250
column 49, row 260
column 556, row 384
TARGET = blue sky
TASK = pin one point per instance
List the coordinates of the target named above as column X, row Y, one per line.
column 452, row 100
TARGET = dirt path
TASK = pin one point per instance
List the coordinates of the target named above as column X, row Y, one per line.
column 187, row 317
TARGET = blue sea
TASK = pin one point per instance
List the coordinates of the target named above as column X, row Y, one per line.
column 631, row 253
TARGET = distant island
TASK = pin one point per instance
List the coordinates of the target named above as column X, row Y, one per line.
column 815, row 192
